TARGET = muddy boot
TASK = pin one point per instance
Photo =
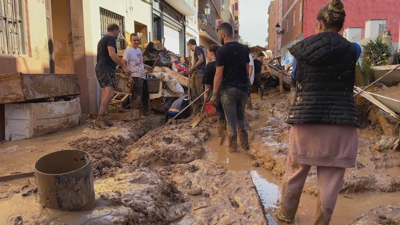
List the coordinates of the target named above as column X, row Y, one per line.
column 144, row 112
column 243, row 135
column 232, row 140
column 249, row 104
column 99, row 122
column 261, row 93
column 282, row 218
column 221, row 126
column 108, row 120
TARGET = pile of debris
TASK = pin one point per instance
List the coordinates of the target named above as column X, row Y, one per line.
column 167, row 80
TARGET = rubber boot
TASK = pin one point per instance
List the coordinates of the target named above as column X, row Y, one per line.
column 243, row 135
column 249, row 104
column 261, row 92
column 232, row 140
column 221, row 126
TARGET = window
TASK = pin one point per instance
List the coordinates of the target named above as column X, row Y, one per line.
column 287, row 24
column 301, row 11
column 108, row 17
column 12, row 27
column 294, row 18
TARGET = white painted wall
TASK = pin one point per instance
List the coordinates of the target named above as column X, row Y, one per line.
column 131, row 10
column 372, row 27
column 353, row 34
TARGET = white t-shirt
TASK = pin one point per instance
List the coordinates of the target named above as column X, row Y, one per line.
column 134, row 57
column 251, row 63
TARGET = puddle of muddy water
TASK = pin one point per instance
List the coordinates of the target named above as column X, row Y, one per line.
column 268, row 187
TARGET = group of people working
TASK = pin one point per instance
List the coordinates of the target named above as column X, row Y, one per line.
column 323, row 116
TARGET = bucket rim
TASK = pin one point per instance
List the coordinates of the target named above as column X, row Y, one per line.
column 69, row 172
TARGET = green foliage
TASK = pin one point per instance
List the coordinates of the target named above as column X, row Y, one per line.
column 241, row 41
column 366, row 71
column 376, row 52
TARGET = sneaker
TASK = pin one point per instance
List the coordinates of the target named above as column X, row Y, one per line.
column 282, row 218
column 108, row 120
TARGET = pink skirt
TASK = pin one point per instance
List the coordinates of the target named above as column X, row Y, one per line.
column 323, row 145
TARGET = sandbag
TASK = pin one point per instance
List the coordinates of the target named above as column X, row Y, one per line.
column 171, row 83
column 184, row 81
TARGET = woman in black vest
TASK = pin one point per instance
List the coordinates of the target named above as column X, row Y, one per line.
column 323, row 116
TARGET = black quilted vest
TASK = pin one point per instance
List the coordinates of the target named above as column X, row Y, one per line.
column 326, row 65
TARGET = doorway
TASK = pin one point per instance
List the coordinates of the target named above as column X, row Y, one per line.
column 142, row 31
column 61, row 28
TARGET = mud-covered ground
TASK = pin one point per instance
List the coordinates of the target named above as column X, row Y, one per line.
column 375, row 170
column 145, row 174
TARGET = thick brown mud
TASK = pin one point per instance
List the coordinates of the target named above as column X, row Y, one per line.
column 154, row 178
column 375, row 171
column 381, row 215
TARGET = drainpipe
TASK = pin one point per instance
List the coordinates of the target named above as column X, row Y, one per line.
column 184, row 36
column 151, row 22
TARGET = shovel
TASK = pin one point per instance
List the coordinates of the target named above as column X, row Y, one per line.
column 200, row 117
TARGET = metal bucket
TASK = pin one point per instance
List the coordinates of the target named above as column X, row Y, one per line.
column 153, row 85
column 65, row 180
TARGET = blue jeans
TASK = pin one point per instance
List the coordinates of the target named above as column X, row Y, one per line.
column 234, row 101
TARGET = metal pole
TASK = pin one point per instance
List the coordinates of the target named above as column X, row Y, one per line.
column 377, row 80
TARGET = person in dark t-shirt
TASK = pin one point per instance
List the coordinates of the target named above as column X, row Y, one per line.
column 257, row 72
column 107, row 60
column 197, row 72
column 232, row 81
column 208, row 82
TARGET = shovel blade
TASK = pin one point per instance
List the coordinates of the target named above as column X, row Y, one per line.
column 198, row 120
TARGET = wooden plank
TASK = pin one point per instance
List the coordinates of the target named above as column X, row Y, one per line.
column 19, row 87
column 286, row 78
column 280, row 83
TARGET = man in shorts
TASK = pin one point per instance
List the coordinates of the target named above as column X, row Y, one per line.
column 107, row 61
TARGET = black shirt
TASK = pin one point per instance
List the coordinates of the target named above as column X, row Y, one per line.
column 104, row 61
column 257, row 67
column 197, row 51
column 210, row 73
column 234, row 57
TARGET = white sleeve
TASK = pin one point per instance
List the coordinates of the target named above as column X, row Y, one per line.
column 251, row 63
column 127, row 55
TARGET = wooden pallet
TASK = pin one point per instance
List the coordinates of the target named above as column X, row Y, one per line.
column 120, row 100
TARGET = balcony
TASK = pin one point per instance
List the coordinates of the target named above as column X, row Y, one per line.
column 218, row 6
column 236, row 11
column 186, row 7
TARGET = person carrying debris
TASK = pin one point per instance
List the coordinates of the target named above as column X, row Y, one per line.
column 196, row 72
column 209, row 84
column 232, row 82
column 258, row 62
column 176, row 107
column 323, row 117
column 133, row 58
column 107, row 60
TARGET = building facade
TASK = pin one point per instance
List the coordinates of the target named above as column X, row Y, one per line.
column 271, row 27
column 297, row 20
column 208, row 24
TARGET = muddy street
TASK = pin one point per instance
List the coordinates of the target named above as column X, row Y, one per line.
column 146, row 174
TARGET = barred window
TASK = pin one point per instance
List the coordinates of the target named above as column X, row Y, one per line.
column 107, row 17
column 12, row 27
